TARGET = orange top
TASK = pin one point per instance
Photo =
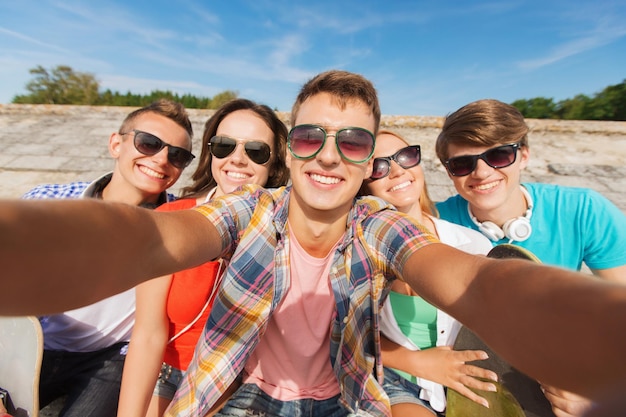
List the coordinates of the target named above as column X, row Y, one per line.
column 188, row 294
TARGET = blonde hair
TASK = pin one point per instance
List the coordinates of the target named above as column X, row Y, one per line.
column 426, row 204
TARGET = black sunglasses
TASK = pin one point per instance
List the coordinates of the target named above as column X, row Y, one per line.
column 222, row 146
column 354, row 144
column 148, row 144
column 406, row 157
column 499, row 157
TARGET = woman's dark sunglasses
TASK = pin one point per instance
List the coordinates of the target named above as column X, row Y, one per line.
column 406, row 157
column 354, row 144
column 499, row 157
column 148, row 144
column 222, row 146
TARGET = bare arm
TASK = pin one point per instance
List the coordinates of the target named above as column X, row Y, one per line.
column 532, row 315
column 146, row 348
column 58, row 255
column 442, row 365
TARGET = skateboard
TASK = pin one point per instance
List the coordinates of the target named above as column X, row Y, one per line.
column 517, row 395
column 21, row 352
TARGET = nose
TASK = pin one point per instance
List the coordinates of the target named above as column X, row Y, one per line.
column 395, row 170
column 238, row 156
column 161, row 157
column 329, row 155
column 482, row 169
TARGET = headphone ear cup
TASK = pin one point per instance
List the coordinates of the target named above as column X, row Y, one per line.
column 491, row 230
column 518, row 229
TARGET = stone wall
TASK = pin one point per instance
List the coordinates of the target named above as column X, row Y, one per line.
column 48, row 143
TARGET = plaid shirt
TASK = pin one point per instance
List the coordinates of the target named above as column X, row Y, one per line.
column 83, row 189
column 252, row 224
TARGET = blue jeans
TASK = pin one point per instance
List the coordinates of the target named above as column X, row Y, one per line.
column 400, row 390
column 90, row 380
column 168, row 381
column 249, row 400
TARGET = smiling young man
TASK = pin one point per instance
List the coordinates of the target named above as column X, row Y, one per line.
column 297, row 315
column 84, row 349
column 484, row 147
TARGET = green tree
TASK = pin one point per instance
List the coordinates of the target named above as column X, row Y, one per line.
column 222, row 98
column 60, row 85
column 537, row 108
column 577, row 108
column 610, row 104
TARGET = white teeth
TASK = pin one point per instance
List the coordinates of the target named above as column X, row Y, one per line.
column 486, row 186
column 400, row 186
column 325, row 180
column 151, row 172
column 237, row 175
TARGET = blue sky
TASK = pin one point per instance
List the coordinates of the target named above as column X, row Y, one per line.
column 425, row 57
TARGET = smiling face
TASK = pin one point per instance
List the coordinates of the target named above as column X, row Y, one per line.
column 141, row 178
column 328, row 183
column 238, row 169
column 493, row 194
column 402, row 187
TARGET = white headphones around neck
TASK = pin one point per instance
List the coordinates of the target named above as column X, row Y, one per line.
column 516, row 229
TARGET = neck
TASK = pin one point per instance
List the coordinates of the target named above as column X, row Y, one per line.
column 517, row 205
column 317, row 234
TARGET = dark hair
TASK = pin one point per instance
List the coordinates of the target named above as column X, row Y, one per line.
column 167, row 108
column 278, row 173
column 343, row 86
column 482, row 123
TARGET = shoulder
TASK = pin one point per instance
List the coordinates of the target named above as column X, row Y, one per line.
column 452, row 203
column 71, row 190
column 181, row 204
column 553, row 194
column 462, row 238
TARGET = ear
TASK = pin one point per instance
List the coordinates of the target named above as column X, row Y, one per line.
column 115, row 144
column 524, row 157
column 288, row 159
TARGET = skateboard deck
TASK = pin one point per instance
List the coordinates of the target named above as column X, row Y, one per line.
column 21, row 352
column 517, row 395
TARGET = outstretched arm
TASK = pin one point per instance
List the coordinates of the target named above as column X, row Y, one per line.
column 562, row 328
column 59, row 255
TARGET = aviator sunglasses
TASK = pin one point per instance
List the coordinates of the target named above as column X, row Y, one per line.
column 354, row 144
column 222, row 146
column 407, row 157
column 500, row 157
column 148, row 144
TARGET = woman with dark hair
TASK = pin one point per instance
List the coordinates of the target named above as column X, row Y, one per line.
column 243, row 143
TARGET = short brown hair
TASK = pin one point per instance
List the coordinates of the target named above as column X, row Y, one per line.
column 167, row 108
column 344, row 86
column 278, row 172
column 482, row 123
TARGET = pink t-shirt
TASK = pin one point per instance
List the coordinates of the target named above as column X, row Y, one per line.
column 292, row 359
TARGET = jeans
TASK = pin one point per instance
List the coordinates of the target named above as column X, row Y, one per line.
column 168, row 381
column 90, row 380
column 400, row 390
column 249, row 400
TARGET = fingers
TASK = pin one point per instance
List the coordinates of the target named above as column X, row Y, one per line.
column 463, row 390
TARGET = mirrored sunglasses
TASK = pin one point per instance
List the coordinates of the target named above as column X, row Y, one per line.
column 149, row 144
column 222, row 146
column 406, row 157
column 354, row 144
column 499, row 157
